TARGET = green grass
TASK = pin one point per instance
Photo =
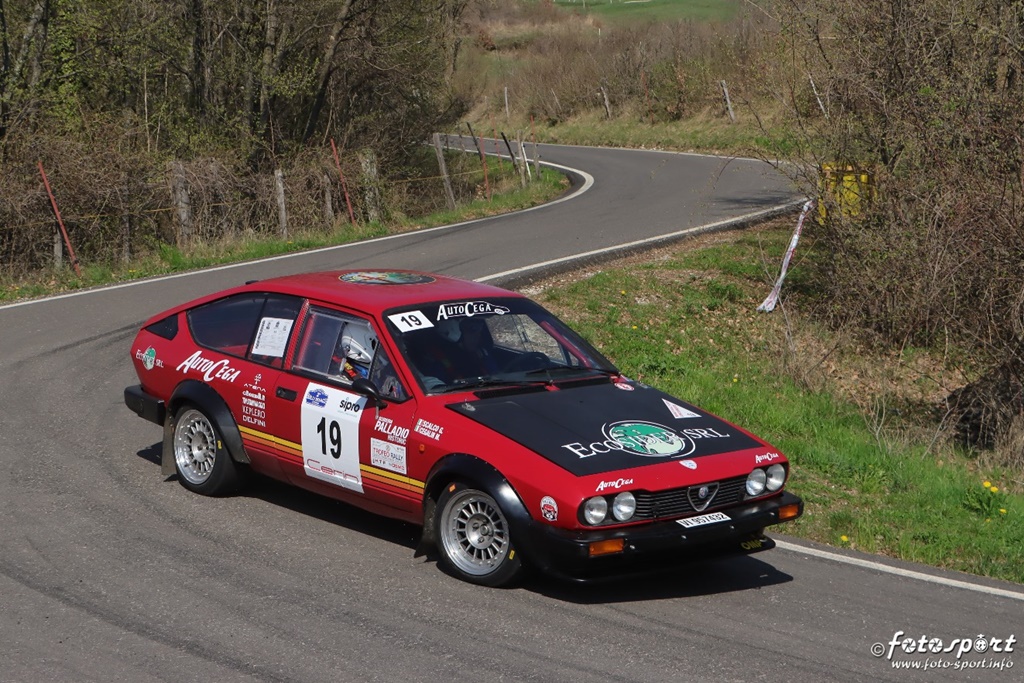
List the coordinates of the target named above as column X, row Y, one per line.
column 619, row 11
column 688, row 325
column 166, row 258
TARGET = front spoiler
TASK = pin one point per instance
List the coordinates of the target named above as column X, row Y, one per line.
column 653, row 547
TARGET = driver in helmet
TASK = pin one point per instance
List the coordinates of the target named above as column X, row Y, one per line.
column 356, row 348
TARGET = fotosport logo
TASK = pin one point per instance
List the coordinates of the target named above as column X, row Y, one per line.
column 941, row 654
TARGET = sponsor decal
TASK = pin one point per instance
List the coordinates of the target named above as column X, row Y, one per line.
column 755, row 544
column 428, row 429
column 388, row 456
column 394, row 433
column 648, row 439
column 767, row 457
column 149, row 359
column 549, row 508
column 678, row 411
column 254, row 403
column 377, row 277
column 210, row 369
column 316, row 397
column 623, row 386
column 467, row 309
column 689, row 464
column 617, row 484
column 346, row 405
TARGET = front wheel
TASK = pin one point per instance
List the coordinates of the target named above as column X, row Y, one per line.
column 474, row 539
column 200, row 459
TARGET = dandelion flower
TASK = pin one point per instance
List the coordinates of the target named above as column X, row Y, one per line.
column 844, row 538
column 987, row 484
column 622, row 291
column 1002, row 511
column 634, row 327
column 994, row 489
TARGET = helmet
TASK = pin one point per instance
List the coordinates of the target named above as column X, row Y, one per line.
column 449, row 329
column 358, row 344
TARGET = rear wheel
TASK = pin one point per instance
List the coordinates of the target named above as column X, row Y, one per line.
column 474, row 539
column 200, row 459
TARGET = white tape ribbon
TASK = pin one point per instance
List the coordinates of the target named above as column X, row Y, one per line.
column 769, row 304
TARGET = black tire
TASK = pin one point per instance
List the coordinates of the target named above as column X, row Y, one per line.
column 202, row 462
column 474, row 540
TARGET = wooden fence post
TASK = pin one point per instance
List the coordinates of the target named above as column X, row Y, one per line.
column 282, row 211
column 328, row 200
column 371, row 179
column 182, row 203
column 728, row 102
column 449, row 195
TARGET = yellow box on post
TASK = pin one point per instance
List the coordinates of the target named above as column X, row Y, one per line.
column 845, row 187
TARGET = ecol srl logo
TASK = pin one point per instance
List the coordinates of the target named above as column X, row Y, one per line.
column 648, row 439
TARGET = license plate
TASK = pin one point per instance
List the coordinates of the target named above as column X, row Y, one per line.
column 704, row 519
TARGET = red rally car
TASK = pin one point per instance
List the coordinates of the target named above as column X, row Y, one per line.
column 461, row 407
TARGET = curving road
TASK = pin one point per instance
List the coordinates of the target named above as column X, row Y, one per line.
column 109, row 572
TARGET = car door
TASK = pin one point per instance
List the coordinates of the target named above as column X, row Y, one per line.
column 337, row 441
column 243, row 341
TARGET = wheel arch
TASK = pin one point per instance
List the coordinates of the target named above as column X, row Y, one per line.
column 473, row 470
column 211, row 403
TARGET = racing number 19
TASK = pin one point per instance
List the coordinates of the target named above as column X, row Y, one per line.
column 411, row 320
column 330, row 431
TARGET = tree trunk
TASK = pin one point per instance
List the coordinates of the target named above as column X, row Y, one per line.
column 326, row 69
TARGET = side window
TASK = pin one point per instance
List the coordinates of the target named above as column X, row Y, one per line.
column 273, row 329
column 342, row 348
column 227, row 325
column 384, row 376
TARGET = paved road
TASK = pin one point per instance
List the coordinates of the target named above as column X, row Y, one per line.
column 108, row 572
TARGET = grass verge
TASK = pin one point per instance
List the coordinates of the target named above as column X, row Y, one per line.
column 684, row 319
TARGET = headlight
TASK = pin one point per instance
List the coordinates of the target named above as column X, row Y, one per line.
column 624, row 506
column 776, row 477
column 755, row 482
column 595, row 510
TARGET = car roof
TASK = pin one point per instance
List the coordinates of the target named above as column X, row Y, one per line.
column 370, row 291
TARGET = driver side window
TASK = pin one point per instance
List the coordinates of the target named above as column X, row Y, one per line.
column 342, row 348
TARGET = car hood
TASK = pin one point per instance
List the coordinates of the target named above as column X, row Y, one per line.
column 607, row 427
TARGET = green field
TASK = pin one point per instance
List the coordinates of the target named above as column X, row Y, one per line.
column 685, row 320
column 623, row 11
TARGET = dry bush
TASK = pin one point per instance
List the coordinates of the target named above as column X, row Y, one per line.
column 926, row 97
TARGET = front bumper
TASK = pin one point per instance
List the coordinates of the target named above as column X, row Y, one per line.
column 144, row 405
column 654, row 546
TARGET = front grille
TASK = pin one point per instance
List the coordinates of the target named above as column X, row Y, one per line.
column 676, row 502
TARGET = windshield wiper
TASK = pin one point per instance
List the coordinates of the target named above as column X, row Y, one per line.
column 465, row 383
column 566, row 369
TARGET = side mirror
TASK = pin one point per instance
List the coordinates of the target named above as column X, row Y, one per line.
column 364, row 386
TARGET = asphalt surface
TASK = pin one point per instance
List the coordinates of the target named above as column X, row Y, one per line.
column 109, row 572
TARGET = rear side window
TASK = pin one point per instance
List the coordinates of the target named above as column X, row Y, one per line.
column 227, row 325
column 230, row 325
column 166, row 328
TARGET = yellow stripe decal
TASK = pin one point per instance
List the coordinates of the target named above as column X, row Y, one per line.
column 272, row 439
column 409, row 481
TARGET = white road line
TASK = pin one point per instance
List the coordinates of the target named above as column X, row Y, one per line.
column 908, row 573
column 638, row 243
column 588, row 182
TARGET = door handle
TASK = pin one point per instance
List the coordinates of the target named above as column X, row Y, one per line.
column 286, row 394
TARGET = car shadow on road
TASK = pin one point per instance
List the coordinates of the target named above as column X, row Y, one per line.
column 707, row 577
column 710, row 577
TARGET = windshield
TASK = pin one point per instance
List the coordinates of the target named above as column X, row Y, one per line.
column 458, row 345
